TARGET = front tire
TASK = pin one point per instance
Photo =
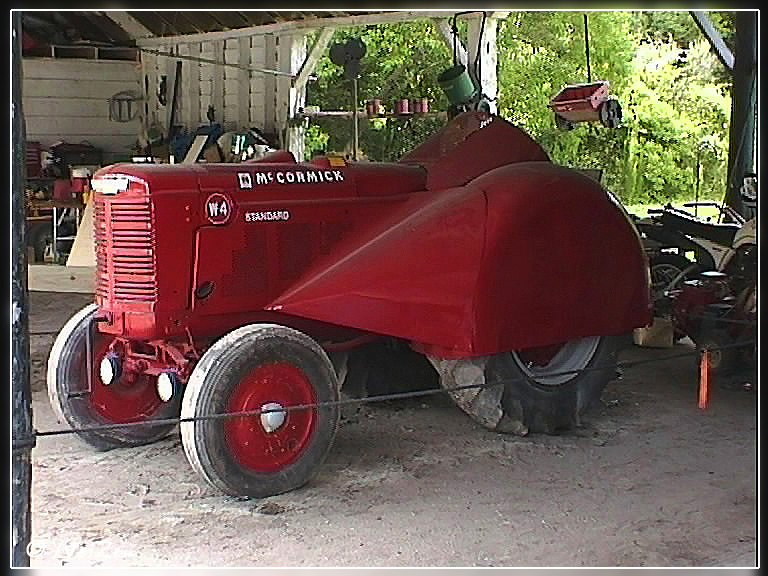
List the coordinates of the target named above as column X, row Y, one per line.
column 129, row 399
column 540, row 390
column 253, row 368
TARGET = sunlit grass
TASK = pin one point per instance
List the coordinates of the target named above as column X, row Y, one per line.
column 703, row 212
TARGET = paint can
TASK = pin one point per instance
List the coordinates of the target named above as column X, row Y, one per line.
column 373, row 108
column 420, row 106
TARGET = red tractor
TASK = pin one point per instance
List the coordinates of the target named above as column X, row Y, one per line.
column 225, row 288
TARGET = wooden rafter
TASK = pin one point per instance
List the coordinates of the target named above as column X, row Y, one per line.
column 300, row 26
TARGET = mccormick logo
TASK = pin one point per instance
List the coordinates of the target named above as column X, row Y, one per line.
column 249, row 180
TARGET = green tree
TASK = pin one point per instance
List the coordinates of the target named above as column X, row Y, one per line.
column 402, row 61
column 680, row 116
column 673, row 91
column 542, row 52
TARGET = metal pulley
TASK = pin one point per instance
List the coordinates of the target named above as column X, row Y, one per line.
column 349, row 55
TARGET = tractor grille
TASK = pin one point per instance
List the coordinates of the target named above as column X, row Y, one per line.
column 125, row 246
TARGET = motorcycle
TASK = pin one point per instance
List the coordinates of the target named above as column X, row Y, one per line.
column 717, row 308
column 671, row 234
column 717, row 314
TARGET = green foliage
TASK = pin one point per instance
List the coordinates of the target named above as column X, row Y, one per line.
column 680, row 117
column 315, row 139
column 674, row 93
column 679, row 27
column 402, row 61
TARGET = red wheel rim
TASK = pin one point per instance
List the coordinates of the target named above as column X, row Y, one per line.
column 249, row 442
column 131, row 398
column 540, row 356
column 557, row 364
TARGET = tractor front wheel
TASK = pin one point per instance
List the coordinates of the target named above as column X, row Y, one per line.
column 263, row 369
column 130, row 398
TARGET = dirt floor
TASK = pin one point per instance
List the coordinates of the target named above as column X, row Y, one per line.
column 650, row 480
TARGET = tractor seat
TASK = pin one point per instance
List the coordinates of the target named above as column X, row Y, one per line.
column 722, row 234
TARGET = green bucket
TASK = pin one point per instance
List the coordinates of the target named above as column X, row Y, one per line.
column 457, row 84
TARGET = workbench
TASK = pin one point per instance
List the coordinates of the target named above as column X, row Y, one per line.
column 57, row 210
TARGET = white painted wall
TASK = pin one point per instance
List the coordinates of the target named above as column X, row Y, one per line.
column 237, row 95
column 68, row 99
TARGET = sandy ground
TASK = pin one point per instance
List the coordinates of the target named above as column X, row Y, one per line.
column 650, row 480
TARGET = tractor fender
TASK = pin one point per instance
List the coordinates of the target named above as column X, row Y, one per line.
column 562, row 260
column 527, row 254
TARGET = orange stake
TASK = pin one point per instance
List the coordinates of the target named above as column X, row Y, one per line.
column 704, row 380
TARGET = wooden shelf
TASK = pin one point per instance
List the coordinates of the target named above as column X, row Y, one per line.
column 364, row 115
column 49, row 204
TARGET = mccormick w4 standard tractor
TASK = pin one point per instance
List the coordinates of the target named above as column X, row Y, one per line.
column 225, row 288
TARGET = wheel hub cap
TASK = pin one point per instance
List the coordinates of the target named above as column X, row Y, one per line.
column 108, row 369
column 278, row 437
column 271, row 421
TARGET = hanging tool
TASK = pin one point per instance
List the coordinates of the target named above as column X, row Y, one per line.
column 586, row 102
column 462, row 86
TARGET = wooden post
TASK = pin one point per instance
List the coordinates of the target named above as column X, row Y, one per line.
column 217, row 85
column 22, row 432
column 270, row 85
column 741, row 144
column 292, row 51
column 244, row 85
column 483, row 35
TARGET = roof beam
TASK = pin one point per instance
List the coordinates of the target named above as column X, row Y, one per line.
column 310, row 62
column 132, row 27
column 301, row 25
column 108, row 27
column 716, row 41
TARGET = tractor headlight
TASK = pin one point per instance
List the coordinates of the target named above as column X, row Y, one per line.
column 109, row 369
column 166, row 386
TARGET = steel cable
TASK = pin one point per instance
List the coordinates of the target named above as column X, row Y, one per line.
column 377, row 398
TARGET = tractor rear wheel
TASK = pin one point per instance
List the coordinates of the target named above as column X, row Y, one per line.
column 260, row 367
column 541, row 390
column 130, row 398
